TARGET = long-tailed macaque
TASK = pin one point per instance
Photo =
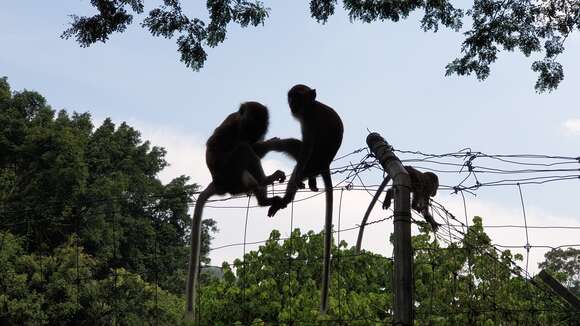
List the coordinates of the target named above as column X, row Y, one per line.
column 322, row 132
column 423, row 186
column 233, row 154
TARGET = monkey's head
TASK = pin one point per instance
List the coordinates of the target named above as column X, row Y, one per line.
column 434, row 182
column 300, row 98
column 254, row 121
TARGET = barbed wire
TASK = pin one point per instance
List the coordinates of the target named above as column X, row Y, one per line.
column 464, row 164
column 461, row 163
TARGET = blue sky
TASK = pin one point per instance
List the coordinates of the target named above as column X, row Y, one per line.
column 387, row 77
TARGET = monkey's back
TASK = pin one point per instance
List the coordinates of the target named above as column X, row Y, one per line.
column 220, row 148
column 327, row 128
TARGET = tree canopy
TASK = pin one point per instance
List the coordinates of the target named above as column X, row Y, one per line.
column 66, row 287
column 564, row 264
column 529, row 26
column 61, row 177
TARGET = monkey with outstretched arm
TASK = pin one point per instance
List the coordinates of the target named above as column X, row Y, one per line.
column 233, row 154
column 322, row 132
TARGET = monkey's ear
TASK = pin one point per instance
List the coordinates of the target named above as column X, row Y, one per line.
column 313, row 94
column 242, row 109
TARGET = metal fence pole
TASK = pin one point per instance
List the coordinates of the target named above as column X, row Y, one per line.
column 403, row 265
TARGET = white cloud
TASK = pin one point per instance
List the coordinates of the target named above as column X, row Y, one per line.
column 572, row 126
column 185, row 151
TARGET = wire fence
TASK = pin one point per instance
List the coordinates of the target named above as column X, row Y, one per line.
column 474, row 170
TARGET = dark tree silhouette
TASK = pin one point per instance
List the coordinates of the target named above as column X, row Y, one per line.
column 60, row 176
column 497, row 25
column 564, row 264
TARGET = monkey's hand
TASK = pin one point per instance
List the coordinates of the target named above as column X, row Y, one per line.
column 300, row 185
column 279, row 176
column 386, row 203
column 277, row 204
column 276, row 176
column 388, row 198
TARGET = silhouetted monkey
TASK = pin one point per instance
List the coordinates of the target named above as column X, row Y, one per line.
column 423, row 186
column 322, row 132
column 232, row 155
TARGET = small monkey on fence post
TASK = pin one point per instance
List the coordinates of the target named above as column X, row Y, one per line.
column 423, row 186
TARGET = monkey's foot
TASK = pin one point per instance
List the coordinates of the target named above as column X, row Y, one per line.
column 300, row 185
column 277, row 204
column 312, row 185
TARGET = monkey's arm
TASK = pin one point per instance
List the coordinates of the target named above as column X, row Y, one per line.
column 298, row 174
column 289, row 146
column 261, row 148
column 295, row 182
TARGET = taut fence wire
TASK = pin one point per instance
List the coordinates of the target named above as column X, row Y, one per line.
column 473, row 171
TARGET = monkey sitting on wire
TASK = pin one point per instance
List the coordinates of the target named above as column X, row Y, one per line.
column 423, row 186
column 322, row 132
column 233, row 154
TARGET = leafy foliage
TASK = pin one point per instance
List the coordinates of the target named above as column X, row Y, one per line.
column 464, row 283
column 168, row 20
column 526, row 25
column 469, row 282
column 61, row 177
column 279, row 283
column 522, row 25
column 90, row 236
column 112, row 17
column 564, row 265
column 63, row 289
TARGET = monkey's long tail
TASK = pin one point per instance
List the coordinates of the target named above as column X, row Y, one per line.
column 191, row 288
column 327, row 242
column 368, row 212
column 430, row 219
